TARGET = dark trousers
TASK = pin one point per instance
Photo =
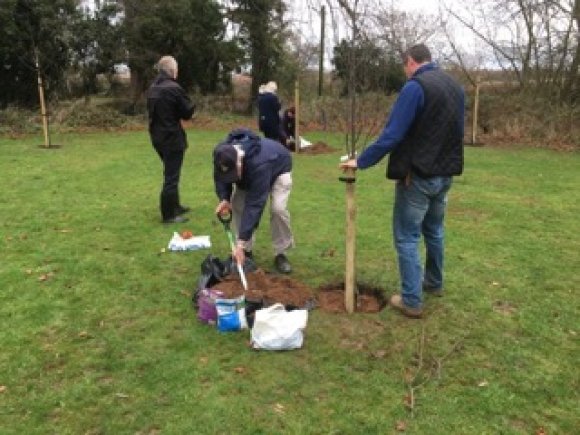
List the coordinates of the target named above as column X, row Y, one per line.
column 272, row 131
column 169, row 198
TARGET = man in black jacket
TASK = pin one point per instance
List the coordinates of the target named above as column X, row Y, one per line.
column 424, row 136
column 168, row 104
column 259, row 168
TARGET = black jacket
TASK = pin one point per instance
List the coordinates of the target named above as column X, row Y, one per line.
column 269, row 117
column 167, row 104
column 264, row 161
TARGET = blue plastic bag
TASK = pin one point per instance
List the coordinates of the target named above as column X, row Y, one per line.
column 231, row 314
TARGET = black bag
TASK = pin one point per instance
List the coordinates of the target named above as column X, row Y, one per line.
column 214, row 270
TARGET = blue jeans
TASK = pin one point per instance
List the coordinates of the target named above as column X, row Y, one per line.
column 419, row 209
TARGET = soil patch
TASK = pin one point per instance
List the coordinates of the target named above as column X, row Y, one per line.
column 317, row 148
column 266, row 289
column 368, row 300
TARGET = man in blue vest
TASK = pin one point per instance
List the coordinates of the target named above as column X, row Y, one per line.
column 424, row 136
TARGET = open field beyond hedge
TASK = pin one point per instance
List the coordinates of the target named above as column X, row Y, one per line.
column 97, row 333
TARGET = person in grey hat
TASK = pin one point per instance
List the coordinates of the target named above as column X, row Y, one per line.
column 247, row 171
column 167, row 105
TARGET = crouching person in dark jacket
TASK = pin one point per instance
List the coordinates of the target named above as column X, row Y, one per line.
column 248, row 170
column 168, row 104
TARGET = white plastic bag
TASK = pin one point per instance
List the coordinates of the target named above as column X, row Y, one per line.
column 178, row 243
column 278, row 329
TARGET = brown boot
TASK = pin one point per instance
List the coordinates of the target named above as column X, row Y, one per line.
column 397, row 303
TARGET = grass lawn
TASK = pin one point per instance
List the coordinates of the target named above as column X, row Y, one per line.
column 98, row 336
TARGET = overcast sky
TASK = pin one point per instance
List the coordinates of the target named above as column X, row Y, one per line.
column 304, row 18
column 305, row 14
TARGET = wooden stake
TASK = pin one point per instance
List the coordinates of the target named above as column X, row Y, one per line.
column 321, row 56
column 475, row 112
column 43, row 113
column 350, row 278
column 297, row 115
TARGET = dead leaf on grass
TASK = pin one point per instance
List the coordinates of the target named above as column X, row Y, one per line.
column 203, row 359
column 121, row 395
column 378, row 354
column 279, row 408
column 240, row 370
column 3, row 389
column 45, row 276
column 328, row 252
column 483, row 383
column 495, row 283
column 541, row 431
column 504, row 307
column 401, row 426
column 408, row 401
column 28, row 271
column 84, row 334
column 64, row 230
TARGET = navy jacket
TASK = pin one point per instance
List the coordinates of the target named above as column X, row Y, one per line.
column 167, row 105
column 264, row 161
column 269, row 115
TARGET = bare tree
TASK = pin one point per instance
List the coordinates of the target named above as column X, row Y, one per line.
column 536, row 40
column 400, row 30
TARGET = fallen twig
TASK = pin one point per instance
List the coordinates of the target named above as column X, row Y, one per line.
column 413, row 385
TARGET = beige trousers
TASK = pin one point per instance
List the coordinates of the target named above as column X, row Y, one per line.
column 282, row 238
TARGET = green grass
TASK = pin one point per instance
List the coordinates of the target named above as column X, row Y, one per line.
column 97, row 334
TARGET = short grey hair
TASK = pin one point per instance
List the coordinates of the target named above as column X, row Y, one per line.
column 419, row 53
column 168, row 64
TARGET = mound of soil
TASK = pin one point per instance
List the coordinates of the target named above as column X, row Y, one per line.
column 267, row 289
column 317, row 148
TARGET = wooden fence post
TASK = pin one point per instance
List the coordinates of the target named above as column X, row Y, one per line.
column 474, row 122
column 43, row 113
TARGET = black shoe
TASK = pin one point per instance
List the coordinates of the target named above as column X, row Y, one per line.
column 182, row 209
column 249, row 254
column 282, row 264
column 175, row 220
